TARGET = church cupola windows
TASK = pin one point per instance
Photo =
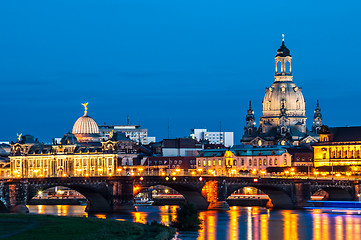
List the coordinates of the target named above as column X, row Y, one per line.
column 283, row 60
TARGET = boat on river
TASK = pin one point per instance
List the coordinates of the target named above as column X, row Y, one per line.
column 352, row 207
column 143, row 201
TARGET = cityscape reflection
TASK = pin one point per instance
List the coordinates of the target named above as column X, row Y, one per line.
column 239, row 222
column 234, row 228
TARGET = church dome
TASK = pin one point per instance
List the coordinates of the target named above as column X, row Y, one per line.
column 85, row 125
column 86, row 129
column 283, row 104
column 284, row 94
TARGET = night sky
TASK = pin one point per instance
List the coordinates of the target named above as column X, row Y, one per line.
column 186, row 62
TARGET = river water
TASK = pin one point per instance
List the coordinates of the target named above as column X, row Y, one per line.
column 241, row 222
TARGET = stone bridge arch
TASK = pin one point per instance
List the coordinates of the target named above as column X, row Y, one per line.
column 97, row 196
column 279, row 195
column 191, row 191
column 337, row 193
column 104, row 194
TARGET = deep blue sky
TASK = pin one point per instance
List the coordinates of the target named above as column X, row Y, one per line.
column 192, row 63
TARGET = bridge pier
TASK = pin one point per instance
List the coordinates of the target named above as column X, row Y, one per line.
column 122, row 199
column 18, row 197
column 217, row 195
column 302, row 194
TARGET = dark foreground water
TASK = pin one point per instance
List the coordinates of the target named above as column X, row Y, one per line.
column 242, row 222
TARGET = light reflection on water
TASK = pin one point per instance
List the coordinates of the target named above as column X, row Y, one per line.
column 239, row 222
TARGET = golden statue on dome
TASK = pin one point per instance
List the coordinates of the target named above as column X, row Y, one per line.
column 111, row 134
column 85, row 108
column 19, row 136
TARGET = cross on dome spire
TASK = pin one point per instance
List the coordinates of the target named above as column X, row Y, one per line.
column 283, row 38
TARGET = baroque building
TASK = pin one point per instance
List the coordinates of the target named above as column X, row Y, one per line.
column 284, row 114
column 80, row 153
column 242, row 159
column 338, row 146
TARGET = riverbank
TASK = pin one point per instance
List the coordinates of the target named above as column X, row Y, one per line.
column 45, row 227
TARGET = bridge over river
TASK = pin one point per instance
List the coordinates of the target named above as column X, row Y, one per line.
column 115, row 193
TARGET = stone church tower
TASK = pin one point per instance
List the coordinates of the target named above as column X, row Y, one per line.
column 317, row 120
column 284, row 115
column 250, row 129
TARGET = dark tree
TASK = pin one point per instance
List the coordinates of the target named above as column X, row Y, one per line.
column 187, row 218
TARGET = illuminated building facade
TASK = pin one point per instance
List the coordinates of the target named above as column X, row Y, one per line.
column 284, row 114
column 338, row 146
column 246, row 158
column 78, row 154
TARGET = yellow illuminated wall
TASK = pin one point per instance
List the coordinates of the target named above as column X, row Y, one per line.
column 62, row 161
column 230, row 164
column 340, row 154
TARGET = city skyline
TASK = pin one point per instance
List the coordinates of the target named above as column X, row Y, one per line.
column 191, row 72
